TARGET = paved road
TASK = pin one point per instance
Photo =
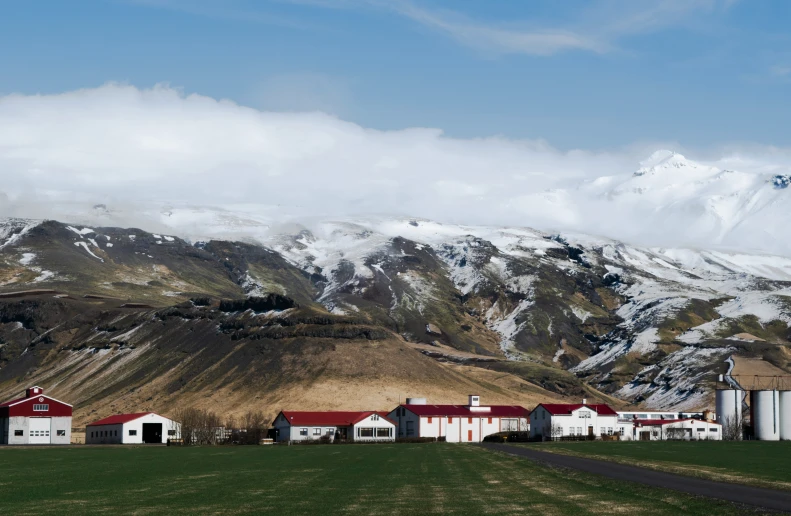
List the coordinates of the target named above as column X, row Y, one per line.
column 772, row 499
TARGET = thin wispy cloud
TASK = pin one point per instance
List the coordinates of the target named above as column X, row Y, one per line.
column 598, row 29
column 498, row 39
column 780, row 71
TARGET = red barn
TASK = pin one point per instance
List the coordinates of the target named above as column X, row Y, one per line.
column 35, row 419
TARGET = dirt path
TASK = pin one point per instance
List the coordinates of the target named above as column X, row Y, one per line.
column 770, row 499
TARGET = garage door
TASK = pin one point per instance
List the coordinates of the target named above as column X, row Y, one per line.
column 39, row 430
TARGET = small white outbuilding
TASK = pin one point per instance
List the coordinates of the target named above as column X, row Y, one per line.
column 139, row 428
column 677, row 430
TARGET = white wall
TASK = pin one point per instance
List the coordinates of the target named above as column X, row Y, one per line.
column 374, row 421
column 688, row 430
column 105, row 434
column 13, row 424
column 542, row 422
column 124, row 437
column 454, row 429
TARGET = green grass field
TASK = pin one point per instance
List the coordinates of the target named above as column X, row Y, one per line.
column 761, row 463
column 382, row 479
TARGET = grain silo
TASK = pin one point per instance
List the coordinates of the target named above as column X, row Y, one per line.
column 729, row 406
column 766, row 414
column 785, row 415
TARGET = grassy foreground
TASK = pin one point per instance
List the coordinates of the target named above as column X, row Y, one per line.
column 384, row 479
column 760, row 463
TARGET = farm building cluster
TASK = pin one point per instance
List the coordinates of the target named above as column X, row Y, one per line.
column 37, row 418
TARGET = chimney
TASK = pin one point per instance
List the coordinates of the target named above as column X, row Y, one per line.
column 475, row 404
column 33, row 391
column 584, row 401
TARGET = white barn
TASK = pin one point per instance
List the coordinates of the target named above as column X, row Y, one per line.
column 469, row 423
column 139, row 428
column 35, row 419
column 368, row 426
column 555, row 420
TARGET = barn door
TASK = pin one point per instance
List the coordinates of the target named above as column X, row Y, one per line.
column 39, row 430
column 152, row 433
column 469, row 435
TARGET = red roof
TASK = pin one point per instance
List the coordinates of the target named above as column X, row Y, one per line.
column 659, row 422
column 464, row 410
column 12, row 402
column 7, row 403
column 119, row 419
column 329, row 418
column 565, row 409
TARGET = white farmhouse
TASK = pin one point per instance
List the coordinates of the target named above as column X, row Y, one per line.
column 458, row 423
column 35, row 419
column 139, row 428
column 676, row 429
column 366, row 426
column 555, row 420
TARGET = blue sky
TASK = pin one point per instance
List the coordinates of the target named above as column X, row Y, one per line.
column 593, row 75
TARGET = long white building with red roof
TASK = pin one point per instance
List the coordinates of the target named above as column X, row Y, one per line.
column 138, row 428
column 35, row 419
column 458, row 423
column 555, row 420
column 369, row 426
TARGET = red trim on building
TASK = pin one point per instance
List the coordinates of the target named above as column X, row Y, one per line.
column 660, row 422
column 119, row 419
column 297, row 418
column 464, row 411
column 565, row 409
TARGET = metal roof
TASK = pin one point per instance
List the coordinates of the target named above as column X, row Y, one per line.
column 338, row 418
column 119, row 419
column 464, row 410
column 565, row 409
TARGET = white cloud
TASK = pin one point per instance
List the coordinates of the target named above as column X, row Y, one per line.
column 122, row 146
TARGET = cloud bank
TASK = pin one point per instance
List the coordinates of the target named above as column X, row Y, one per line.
column 118, row 145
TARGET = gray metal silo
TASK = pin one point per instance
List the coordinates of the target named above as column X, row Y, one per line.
column 766, row 413
column 785, row 415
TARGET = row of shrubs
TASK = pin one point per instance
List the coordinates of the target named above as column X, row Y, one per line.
column 399, row 440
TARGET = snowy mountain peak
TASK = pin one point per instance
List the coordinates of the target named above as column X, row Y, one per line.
column 663, row 160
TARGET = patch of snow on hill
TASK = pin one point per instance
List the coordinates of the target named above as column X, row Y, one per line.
column 84, row 245
column 80, row 232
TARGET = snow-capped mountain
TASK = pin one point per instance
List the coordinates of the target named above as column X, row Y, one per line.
column 644, row 324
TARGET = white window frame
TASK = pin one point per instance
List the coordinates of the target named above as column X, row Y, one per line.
column 41, row 407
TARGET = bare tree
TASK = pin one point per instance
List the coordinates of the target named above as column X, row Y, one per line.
column 198, row 426
column 733, row 428
column 255, row 427
column 552, row 430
